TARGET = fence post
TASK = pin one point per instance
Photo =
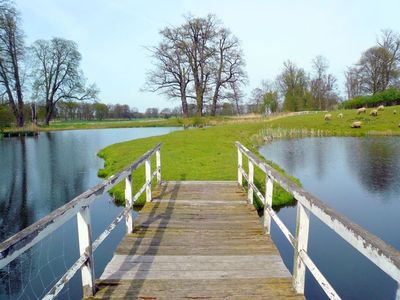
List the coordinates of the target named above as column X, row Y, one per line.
column 158, row 166
column 148, row 180
column 85, row 246
column 302, row 228
column 128, row 204
column 240, row 165
column 250, row 183
column 269, row 187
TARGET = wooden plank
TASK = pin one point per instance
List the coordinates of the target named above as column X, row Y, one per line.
column 255, row 288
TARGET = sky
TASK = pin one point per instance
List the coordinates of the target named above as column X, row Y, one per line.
column 112, row 35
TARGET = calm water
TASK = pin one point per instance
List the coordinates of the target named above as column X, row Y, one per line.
column 38, row 175
column 360, row 178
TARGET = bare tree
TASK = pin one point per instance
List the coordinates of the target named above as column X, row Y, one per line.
column 353, row 82
column 323, row 85
column 372, row 69
column 171, row 73
column 12, row 52
column 236, row 96
column 57, row 75
column 197, row 60
column 390, row 41
column 228, row 68
column 378, row 67
column 197, row 42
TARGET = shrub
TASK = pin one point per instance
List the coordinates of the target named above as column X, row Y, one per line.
column 387, row 97
column 6, row 117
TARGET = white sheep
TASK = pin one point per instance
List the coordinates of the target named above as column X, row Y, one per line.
column 356, row 124
column 361, row 110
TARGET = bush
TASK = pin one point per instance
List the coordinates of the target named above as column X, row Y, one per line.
column 388, row 97
column 6, row 117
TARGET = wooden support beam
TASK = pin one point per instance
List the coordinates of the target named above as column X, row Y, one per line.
column 269, row 185
column 158, row 166
column 148, row 180
column 128, row 204
column 240, row 165
column 250, row 183
column 302, row 229
column 85, row 247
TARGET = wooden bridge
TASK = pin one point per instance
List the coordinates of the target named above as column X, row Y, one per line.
column 199, row 240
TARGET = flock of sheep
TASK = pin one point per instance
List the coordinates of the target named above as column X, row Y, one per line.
column 362, row 110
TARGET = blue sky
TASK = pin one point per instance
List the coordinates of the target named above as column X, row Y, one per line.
column 112, row 35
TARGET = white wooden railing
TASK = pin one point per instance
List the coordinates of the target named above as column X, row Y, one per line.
column 377, row 251
column 79, row 207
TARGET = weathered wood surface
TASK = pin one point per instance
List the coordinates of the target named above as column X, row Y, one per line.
column 197, row 240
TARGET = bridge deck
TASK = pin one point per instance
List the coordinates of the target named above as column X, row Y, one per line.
column 197, row 240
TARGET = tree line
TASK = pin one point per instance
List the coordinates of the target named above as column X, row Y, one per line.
column 49, row 69
column 294, row 89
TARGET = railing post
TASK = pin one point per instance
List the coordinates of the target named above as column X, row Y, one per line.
column 302, row 228
column 128, row 204
column 240, row 165
column 85, row 246
column 269, row 187
column 158, row 166
column 148, row 180
column 250, row 194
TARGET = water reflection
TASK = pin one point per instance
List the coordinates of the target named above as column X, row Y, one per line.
column 375, row 161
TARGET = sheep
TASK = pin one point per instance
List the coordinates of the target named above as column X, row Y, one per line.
column 374, row 113
column 340, row 116
column 381, row 107
column 356, row 124
column 328, row 117
column 361, row 110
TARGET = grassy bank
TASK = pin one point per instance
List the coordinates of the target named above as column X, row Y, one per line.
column 194, row 154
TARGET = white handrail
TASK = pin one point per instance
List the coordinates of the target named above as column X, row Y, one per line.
column 79, row 207
column 377, row 251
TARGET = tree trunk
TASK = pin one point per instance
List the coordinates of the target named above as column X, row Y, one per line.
column 185, row 109
column 20, row 119
column 49, row 112
column 34, row 113
column 199, row 102
column 215, row 100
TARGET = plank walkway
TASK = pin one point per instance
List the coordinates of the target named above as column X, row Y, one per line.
column 196, row 240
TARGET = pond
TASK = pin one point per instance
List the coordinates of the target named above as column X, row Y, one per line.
column 358, row 177
column 38, row 175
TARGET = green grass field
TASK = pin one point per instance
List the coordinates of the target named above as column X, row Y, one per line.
column 385, row 123
column 194, row 154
